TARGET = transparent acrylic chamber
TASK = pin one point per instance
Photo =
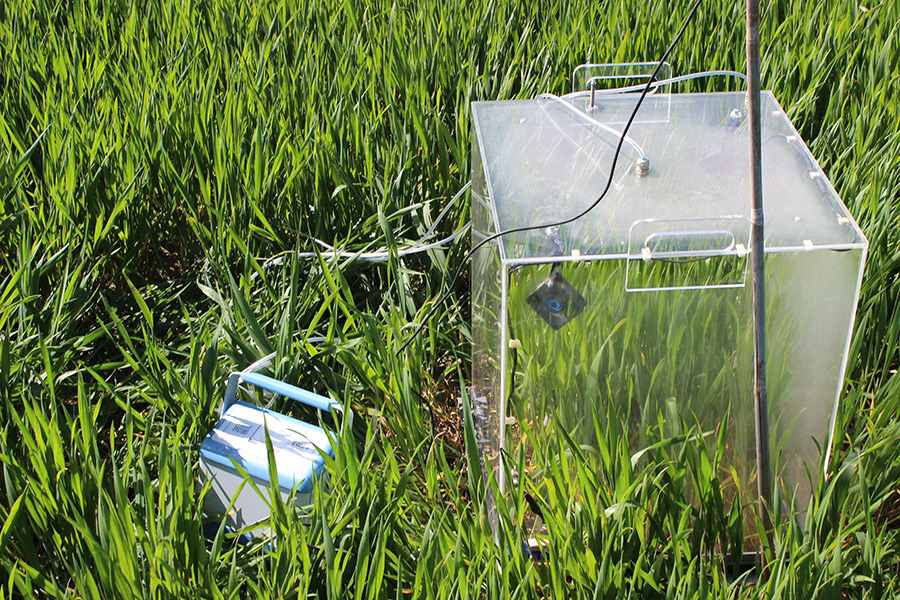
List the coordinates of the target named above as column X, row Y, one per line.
column 642, row 309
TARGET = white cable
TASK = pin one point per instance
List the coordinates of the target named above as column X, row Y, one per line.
column 443, row 213
column 383, row 255
column 634, row 88
column 266, row 360
column 262, row 363
column 628, row 139
column 660, row 83
column 379, row 256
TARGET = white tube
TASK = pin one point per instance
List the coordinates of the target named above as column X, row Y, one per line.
column 660, row 83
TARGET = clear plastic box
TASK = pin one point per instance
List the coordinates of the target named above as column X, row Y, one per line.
column 643, row 308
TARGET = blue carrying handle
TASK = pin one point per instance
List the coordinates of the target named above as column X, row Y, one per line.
column 284, row 389
column 289, row 391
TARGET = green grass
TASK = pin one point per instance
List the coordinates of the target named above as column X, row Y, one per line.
column 159, row 166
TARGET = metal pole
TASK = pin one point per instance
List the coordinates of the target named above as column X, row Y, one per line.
column 757, row 245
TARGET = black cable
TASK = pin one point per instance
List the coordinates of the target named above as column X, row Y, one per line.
column 609, row 181
column 532, row 502
column 515, row 359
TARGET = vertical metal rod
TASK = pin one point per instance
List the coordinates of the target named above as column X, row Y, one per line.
column 763, row 465
column 504, row 376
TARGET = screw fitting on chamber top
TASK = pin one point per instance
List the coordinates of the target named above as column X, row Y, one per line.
column 642, row 167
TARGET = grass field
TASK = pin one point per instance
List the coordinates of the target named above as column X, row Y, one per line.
column 161, row 166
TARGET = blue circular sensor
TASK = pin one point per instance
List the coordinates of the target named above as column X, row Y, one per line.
column 554, row 305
